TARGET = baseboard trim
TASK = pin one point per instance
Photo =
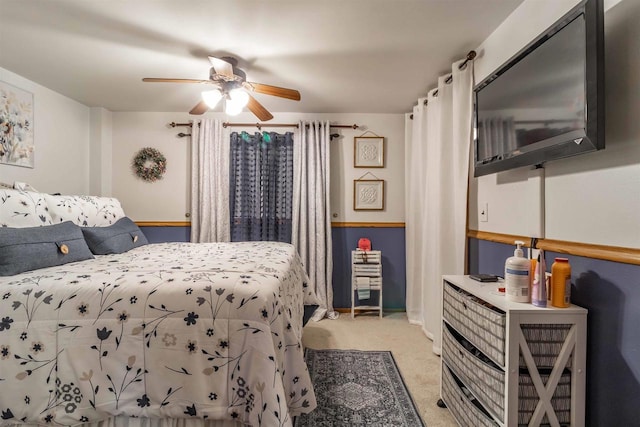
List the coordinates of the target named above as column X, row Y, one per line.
column 387, row 310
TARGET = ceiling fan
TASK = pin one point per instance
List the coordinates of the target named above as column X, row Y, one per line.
column 231, row 86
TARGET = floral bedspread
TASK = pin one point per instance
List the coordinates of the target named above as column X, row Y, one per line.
column 171, row 330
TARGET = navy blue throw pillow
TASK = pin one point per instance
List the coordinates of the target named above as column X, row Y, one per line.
column 121, row 236
column 31, row 248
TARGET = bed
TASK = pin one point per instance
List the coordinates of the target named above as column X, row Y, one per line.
column 171, row 331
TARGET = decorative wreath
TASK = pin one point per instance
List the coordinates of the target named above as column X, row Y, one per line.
column 149, row 164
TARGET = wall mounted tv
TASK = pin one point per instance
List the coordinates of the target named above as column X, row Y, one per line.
column 547, row 102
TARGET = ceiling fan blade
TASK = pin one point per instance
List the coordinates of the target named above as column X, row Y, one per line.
column 258, row 109
column 199, row 109
column 161, row 80
column 274, row 90
column 221, row 66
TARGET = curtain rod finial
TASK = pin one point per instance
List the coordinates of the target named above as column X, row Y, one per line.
column 471, row 55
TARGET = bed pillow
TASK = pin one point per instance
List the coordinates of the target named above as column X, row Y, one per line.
column 31, row 248
column 23, row 209
column 85, row 211
column 120, row 237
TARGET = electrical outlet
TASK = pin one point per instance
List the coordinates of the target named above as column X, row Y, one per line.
column 484, row 212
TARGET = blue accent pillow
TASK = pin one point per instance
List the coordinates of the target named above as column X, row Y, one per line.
column 122, row 236
column 31, row 248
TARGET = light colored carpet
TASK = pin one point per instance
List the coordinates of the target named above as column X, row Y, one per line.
column 411, row 349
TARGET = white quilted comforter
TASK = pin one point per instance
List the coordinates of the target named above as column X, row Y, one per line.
column 172, row 330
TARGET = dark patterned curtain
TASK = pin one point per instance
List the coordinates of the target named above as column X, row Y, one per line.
column 261, row 186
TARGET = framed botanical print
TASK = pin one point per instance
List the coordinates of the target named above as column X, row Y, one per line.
column 368, row 194
column 368, row 152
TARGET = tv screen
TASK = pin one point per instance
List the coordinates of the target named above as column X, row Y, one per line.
column 543, row 103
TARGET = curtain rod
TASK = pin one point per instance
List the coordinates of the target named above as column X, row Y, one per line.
column 470, row 57
column 264, row 125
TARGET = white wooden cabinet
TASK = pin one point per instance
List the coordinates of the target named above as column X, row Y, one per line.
column 510, row 364
column 366, row 273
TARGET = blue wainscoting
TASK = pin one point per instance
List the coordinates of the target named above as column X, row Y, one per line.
column 389, row 240
column 611, row 293
column 167, row 234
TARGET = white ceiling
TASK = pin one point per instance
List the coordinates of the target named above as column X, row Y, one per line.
column 344, row 56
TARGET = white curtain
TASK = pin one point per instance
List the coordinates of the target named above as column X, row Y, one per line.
column 437, row 159
column 311, row 221
column 210, row 217
column 415, row 160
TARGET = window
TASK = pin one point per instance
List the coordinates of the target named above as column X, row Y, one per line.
column 261, row 186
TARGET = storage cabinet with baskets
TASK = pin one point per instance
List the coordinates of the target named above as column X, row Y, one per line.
column 366, row 275
column 510, row 364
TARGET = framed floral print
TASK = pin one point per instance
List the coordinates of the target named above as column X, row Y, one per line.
column 16, row 126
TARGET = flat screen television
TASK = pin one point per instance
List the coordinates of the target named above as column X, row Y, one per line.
column 546, row 102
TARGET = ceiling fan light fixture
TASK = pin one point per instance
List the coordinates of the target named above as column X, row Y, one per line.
column 239, row 96
column 232, row 88
column 211, row 97
column 236, row 101
column 232, row 108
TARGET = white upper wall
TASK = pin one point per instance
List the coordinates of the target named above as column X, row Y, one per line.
column 168, row 199
column 61, row 134
column 524, row 24
column 82, row 150
column 591, row 198
column 595, row 198
column 100, row 151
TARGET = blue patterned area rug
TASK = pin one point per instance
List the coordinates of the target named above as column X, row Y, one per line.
column 358, row 388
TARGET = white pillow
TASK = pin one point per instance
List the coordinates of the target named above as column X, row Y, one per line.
column 85, row 211
column 23, row 209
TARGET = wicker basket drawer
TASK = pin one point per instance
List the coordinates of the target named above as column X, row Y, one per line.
column 528, row 398
column 545, row 342
column 482, row 325
column 462, row 408
column 482, row 378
